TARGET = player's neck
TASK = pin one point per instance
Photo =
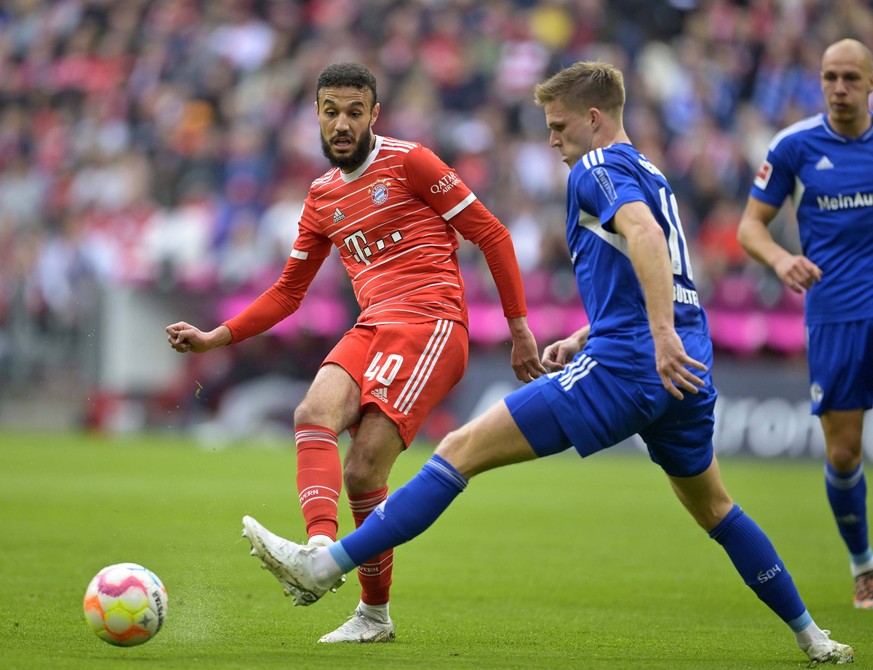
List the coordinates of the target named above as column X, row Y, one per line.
column 853, row 129
column 617, row 136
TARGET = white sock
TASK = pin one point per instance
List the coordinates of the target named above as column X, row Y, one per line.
column 325, row 570
column 861, row 568
column 809, row 636
column 321, row 540
column 376, row 612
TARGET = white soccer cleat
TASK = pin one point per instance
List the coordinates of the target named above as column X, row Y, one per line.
column 361, row 628
column 289, row 562
column 829, row 651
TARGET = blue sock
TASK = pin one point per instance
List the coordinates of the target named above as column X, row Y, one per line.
column 407, row 512
column 755, row 558
column 847, row 494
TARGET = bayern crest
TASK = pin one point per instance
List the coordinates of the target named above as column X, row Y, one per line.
column 379, row 191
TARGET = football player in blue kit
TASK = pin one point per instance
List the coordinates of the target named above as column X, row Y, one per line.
column 642, row 367
column 825, row 164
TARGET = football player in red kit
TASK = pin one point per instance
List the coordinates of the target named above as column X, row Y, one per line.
column 393, row 209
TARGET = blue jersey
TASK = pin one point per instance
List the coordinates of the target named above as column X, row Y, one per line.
column 830, row 180
column 620, row 339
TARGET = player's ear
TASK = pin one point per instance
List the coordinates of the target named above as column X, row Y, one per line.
column 375, row 113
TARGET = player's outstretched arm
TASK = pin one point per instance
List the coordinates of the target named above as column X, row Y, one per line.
column 184, row 338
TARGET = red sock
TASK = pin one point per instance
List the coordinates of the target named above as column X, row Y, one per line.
column 375, row 574
column 319, row 478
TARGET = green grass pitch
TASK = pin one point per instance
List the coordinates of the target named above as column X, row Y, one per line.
column 561, row 563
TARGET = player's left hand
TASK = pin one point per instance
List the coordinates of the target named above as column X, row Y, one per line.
column 185, row 338
column 672, row 364
column 797, row 272
column 525, row 358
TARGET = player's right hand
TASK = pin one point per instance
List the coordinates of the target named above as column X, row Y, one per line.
column 673, row 365
column 184, row 338
column 558, row 354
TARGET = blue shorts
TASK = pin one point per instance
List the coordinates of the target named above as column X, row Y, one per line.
column 840, row 359
column 587, row 407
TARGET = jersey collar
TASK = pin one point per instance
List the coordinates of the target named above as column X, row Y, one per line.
column 866, row 135
column 351, row 176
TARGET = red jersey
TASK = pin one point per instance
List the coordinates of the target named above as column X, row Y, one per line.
column 394, row 220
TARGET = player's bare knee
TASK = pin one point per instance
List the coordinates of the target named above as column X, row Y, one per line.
column 355, row 479
column 714, row 514
column 708, row 505
column 844, row 457
column 303, row 414
column 358, row 478
column 363, row 472
column 456, row 449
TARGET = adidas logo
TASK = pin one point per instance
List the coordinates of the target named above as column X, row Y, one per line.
column 824, row 163
column 380, row 394
column 339, row 216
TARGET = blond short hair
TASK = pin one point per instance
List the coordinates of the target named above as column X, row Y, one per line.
column 585, row 84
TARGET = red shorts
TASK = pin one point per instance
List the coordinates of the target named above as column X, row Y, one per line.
column 404, row 370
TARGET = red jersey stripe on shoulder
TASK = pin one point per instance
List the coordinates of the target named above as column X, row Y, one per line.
column 326, row 177
column 399, row 145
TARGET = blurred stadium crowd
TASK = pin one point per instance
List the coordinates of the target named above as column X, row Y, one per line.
column 169, row 144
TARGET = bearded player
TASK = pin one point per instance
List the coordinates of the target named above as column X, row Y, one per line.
column 393, row 209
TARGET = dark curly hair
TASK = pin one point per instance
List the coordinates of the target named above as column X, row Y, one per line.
column 338, row 75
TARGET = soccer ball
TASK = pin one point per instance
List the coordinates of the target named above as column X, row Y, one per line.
column 125, row 604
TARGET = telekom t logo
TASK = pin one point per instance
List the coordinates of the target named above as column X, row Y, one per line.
column 361, row 249
column 356, row 243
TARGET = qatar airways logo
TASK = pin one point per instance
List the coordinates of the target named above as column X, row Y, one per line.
column 446, row 184
column 840, row 201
